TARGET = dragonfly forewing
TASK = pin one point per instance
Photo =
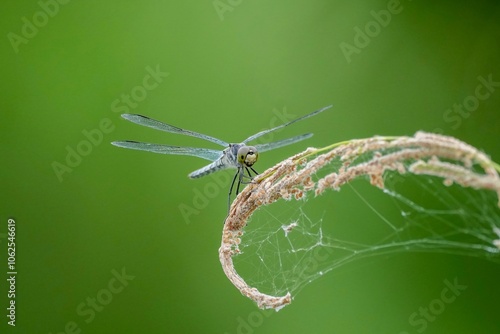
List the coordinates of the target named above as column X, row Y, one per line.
column 277, row 144
column 264, row 132
column 152, row 123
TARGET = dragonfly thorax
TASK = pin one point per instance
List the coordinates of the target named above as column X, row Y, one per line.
column 247, row 155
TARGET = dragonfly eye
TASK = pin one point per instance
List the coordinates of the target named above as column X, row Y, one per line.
column 247, row 155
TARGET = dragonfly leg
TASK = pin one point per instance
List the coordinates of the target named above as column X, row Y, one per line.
column 249, row 177
column 231, row 189
column 240, row 173
column 253, row 170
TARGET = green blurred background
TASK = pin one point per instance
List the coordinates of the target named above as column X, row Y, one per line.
column 232, row 66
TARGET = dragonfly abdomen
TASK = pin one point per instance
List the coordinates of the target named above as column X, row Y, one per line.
column 209, row 169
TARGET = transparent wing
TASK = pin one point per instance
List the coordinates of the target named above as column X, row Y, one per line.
column 203, row 153
column 149, row 122
column 262, row 133
column 281, row 143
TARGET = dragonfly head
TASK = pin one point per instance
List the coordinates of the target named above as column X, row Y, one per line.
column 247, row 155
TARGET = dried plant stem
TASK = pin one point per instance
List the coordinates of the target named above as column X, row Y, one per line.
column 422, row 154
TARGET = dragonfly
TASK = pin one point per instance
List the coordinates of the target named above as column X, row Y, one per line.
column 240, row 156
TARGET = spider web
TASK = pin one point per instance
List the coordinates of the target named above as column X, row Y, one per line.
column 290, row 244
